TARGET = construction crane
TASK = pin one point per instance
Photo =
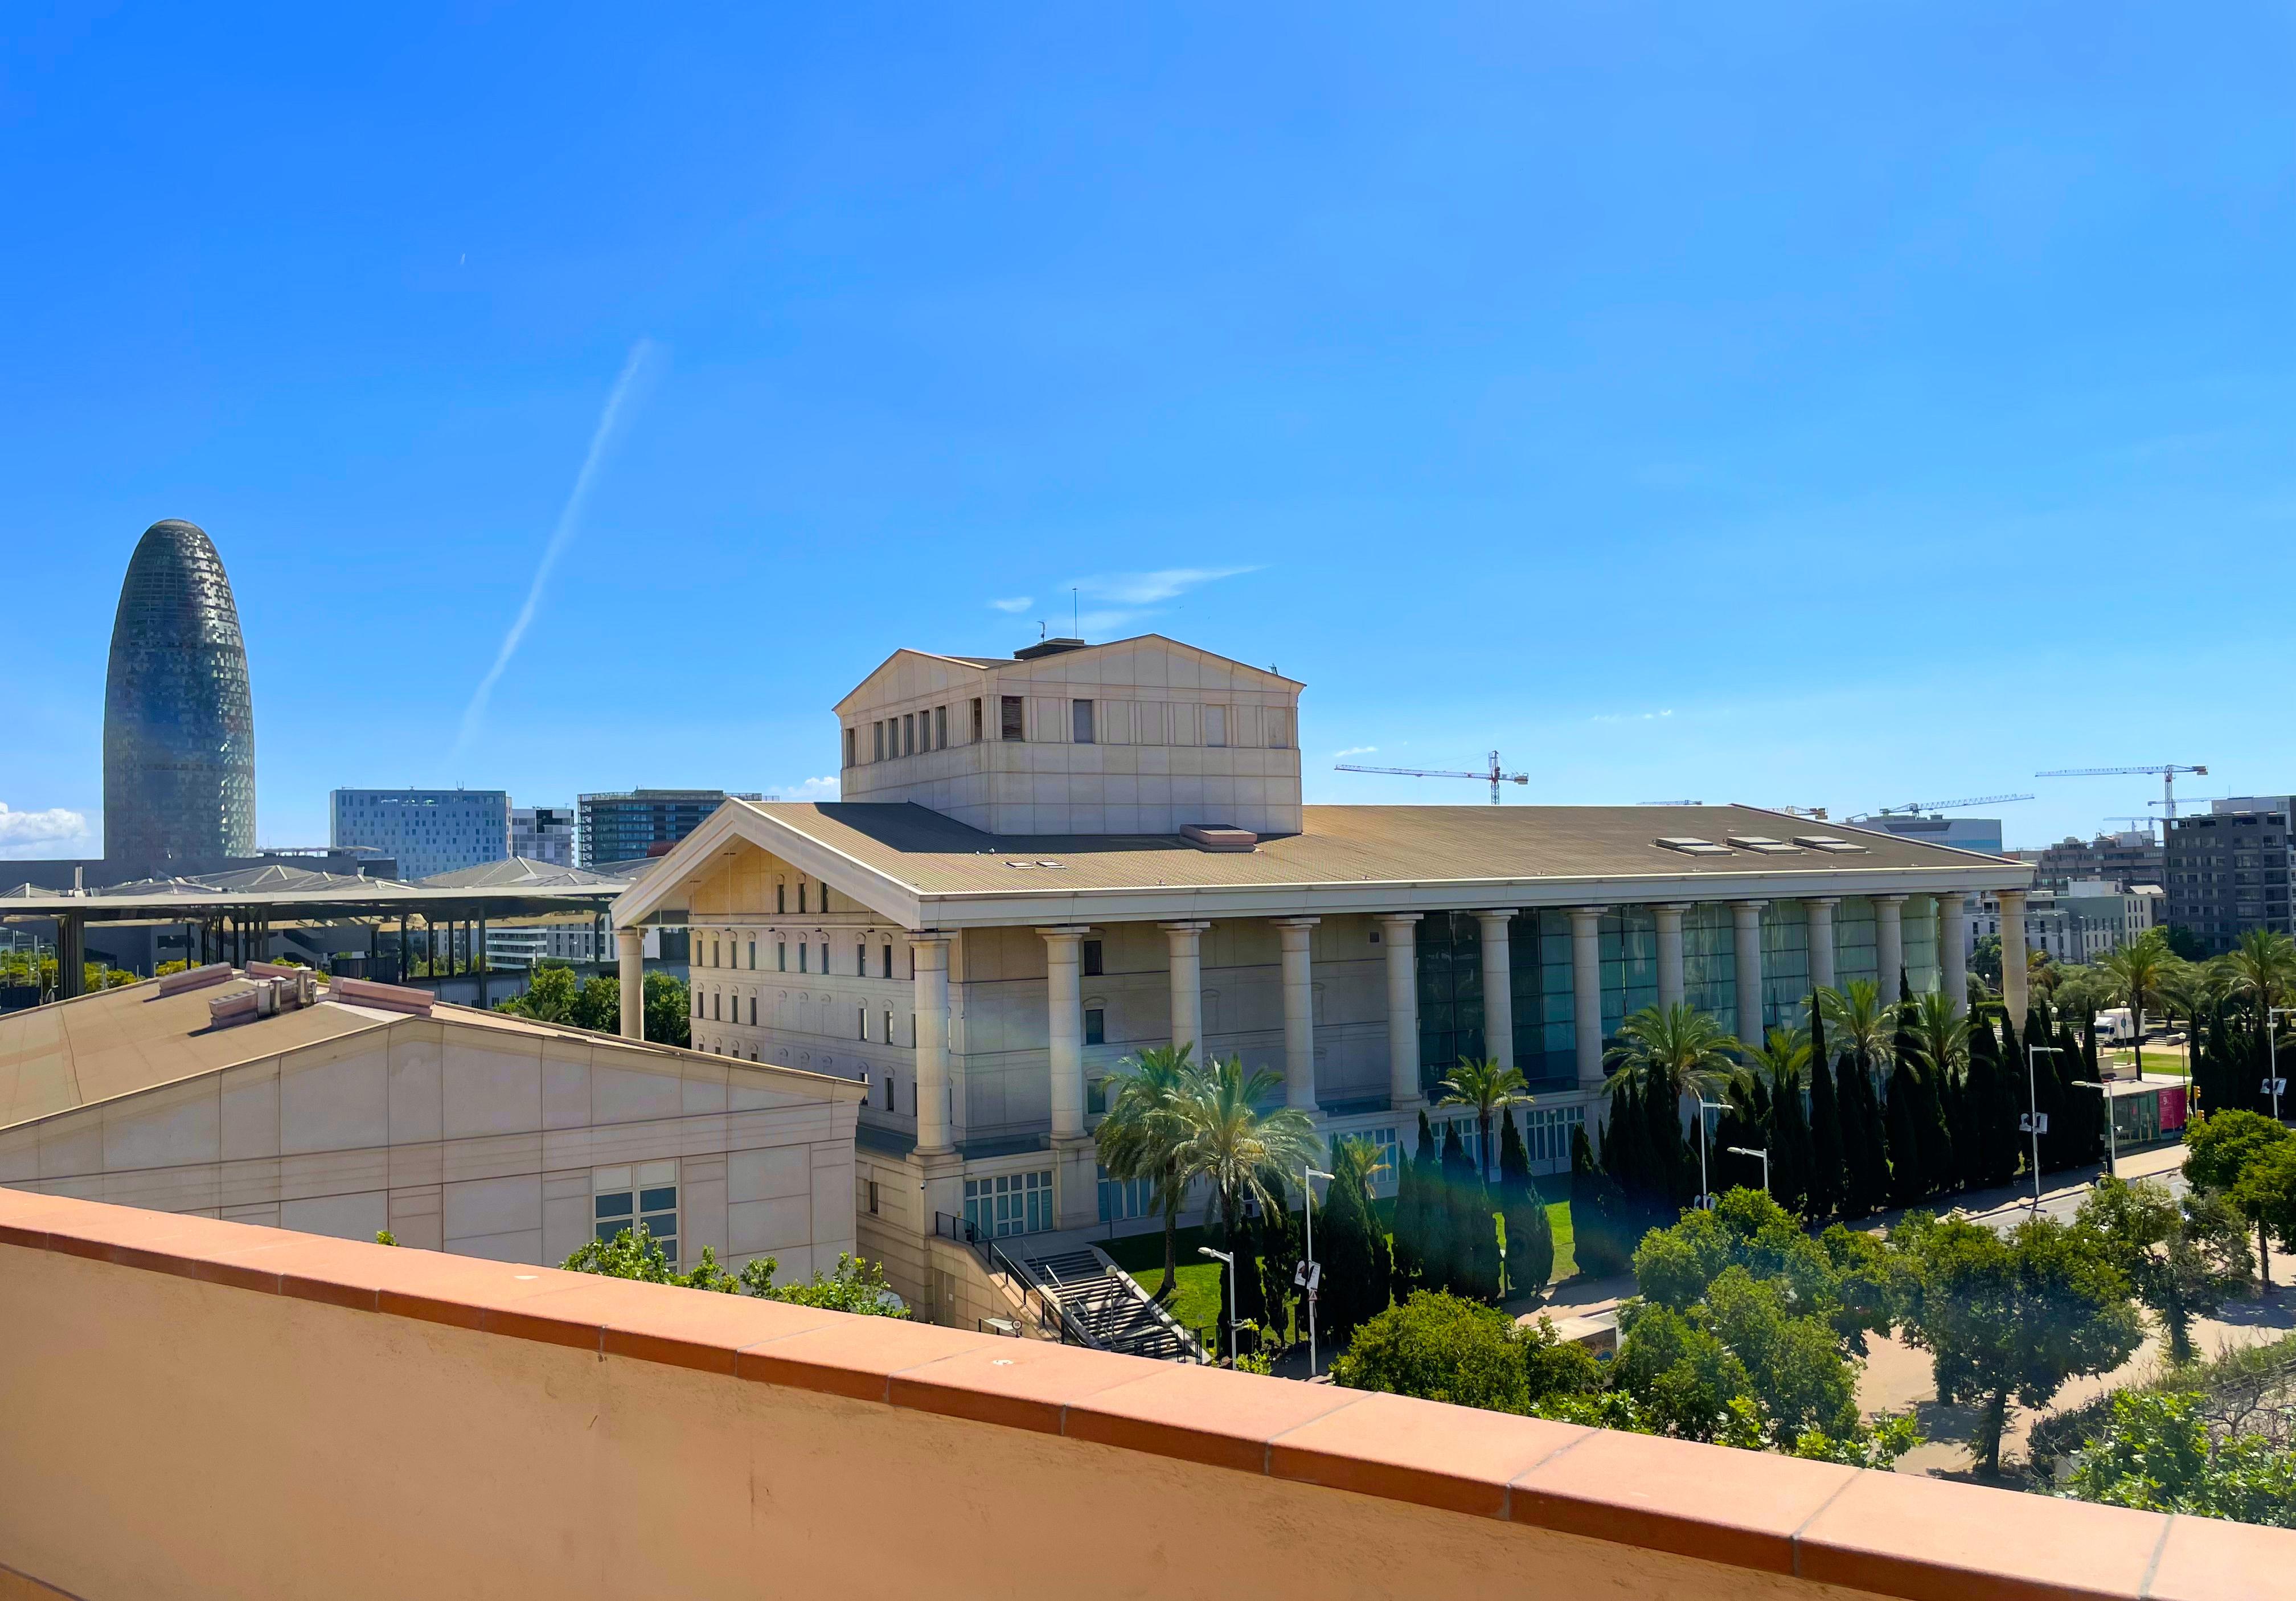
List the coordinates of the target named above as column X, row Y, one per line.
column 1495, row 777
column 2167, row 770
column 1914, row 809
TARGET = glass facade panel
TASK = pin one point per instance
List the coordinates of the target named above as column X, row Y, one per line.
column 1854, row 953
column 1450, row 946
column 1710, row 960
column 1009, row 1202
column 1785, row 965
column 1630, row 944
column 1920, row 925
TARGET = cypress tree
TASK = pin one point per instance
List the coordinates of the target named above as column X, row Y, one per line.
column 1448, row 1240
column 1597, row 1206
column 1932, row 1086
column 1902, row 1118
column 1741, row 1123
column 1825, row 1175
column 1868, row 1154
column 1355, row 1258
column 1674, row 1165
column 1410, row 1249
column 1792, row 1157
column 1529, row 1234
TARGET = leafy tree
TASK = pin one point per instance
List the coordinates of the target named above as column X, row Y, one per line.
column 1677, row 1048
column 1235, row 1149
column 2222, row 1150
column 856, row 1286
column 1843, row 1278
column 1825, row 1139
column 1141, row 1136
column 1985, row 959
column 2184, row 943
column 2011, row 1319
column 2134, row 972
column 1523, row 1212
column 1489, row 1088
column 1598, row 1237
column 1554, row 1367
column 1353, row 1250
column 667, row 1005
column 2159, row 1454
column 1439, row 1347
column 2183, row 1260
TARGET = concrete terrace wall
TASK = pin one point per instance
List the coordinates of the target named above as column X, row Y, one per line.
column 199, row 1409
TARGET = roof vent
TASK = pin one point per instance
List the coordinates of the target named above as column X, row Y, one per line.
column 1219, row 836
column 1828, row 842
column 1762, row 845
column 388, row 997
column 1689, row 846
column 1047, row 647
column 195, row 977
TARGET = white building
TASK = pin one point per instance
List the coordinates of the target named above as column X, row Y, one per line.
column 543, row 833
column 429, row 832
column 2085, row 920
column 356, row 1107
column 1012, row 902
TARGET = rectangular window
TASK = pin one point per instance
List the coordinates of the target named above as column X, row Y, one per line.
column 1009, row 1202
column 873, row 1197
column 781, row 956
column 941, row 727
column 852, row 738
column 781, row 897
column 889, row 1039
column 802, row 948
column 825, row 956
column 642, row 1198
column 753, row 1011
column 889, row 1089
column 716, row 1007
column 908, row 734
column 1080, row 721
column 800, row 898
column 1095, row 1026
column 877, row 741
column 824, row 897
column 861, row 959
column 1215, row 725
column 977, row 734
column 714, row 962
column 1092, row 959
column 889, row 961
column 753, row 955
column 1011, row 714
column 862, row 1022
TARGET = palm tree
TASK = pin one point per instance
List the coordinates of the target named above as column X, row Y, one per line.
column 1856, row 1017
column 2184, row 992
column 1232, row 1145
column 2262, row 967
column 1677, row 1048
column 1142, row 1134
column 1942, row 1035
column 1489, row 1088
column 2135, row 971
column 1784, row 1056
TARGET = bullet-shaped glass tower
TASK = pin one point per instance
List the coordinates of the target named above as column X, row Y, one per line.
column 178, row 723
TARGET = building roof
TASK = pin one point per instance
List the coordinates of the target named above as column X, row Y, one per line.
column 908, row 861
column 119, row 1042
column 522, row 873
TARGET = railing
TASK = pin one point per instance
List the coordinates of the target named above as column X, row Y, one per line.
column 1051, row 1317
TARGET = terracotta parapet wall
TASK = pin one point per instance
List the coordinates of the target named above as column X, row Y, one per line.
column 199, row 1407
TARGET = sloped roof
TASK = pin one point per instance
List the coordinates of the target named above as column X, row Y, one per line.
column 519, row 873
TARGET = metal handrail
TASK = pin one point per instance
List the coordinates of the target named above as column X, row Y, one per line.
column 1051, row 1315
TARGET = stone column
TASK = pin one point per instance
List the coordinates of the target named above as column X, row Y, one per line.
column 1498, row 988
column 1746, row 947
column 930, row 992
column 1819, row 912
column 1670, row 985
column 1185, row 942
column 1953, row 951
column 1586, row 992
column 1299, row 1013
column 1401, row 936
column 1064, row 1026
column 2013, row 956
column 1889, row 944
column 631, row 943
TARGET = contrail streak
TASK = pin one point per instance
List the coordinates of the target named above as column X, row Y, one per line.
column 609, row 420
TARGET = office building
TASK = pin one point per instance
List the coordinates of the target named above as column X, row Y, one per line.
column 622, row 827
column 2227, row 870
column 1980, row 834
column 986, row 974
column 428, row 832
column 179, row 719
column 543, row 833
column 2079, row 924
column 2122, row 859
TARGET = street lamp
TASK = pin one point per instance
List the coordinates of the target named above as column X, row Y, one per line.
column 1309, row 1274
column 1705, row 1190
column 2272, row 1015
column 2036, row 1123
column 2111, row 1135
column 1765, row 1155
column 1230, row 1260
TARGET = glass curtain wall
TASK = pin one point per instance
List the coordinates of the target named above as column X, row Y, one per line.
column 1450, row 994
column 1710, row 961
column 1854, row 954
column 1919, row 922
column 1785, row 965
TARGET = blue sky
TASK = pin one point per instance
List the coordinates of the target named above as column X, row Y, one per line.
column 1819, row 405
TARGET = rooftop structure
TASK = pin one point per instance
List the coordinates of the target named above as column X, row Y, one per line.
column 427, row 832
column 178, row 721
column 543, row 833
column 404, row 1423
column 635, row 825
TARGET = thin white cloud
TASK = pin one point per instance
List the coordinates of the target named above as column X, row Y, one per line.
column 1630, row 717
column 641, row 358
column 1355, row 750
column 810, row 788
column 30, row 833
column 1147, row 588
column 1018, row 603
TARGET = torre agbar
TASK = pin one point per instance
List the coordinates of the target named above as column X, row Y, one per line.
column 1047, row 864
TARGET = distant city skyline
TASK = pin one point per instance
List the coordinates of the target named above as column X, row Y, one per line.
column 1815, row 408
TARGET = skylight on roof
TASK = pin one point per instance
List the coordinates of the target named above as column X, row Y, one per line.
column 1689, row 846
column 1764, row 845
column 1827, row 841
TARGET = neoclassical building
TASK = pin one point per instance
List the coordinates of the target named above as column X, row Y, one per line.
column 1052, row 862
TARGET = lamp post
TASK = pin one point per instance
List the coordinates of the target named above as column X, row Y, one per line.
column 2111, row 1135
column 1764, row 1154
column 1705, row 1189
column 1310, row 1273
column 2271, row 1016
column 2035, row 1124
column 1230, row 1260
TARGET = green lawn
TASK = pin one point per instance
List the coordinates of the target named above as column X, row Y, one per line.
column 1195, row 1300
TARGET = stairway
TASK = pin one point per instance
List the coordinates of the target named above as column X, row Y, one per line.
column 1110, row 1307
